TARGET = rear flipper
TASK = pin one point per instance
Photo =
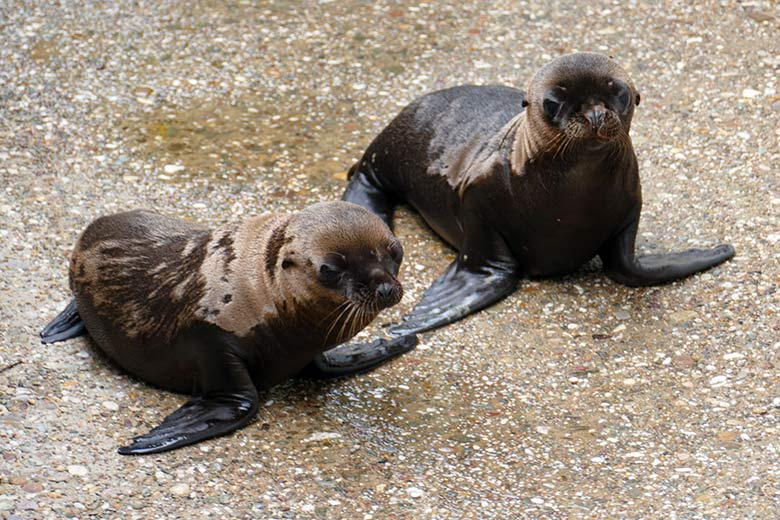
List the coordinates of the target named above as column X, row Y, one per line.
column 355, row 358
column 200, row 418
column 457, row 293
column 364, row 190
column 66, row 325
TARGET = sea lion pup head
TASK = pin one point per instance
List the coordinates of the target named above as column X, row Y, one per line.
column 351, row 253
column 581, row 100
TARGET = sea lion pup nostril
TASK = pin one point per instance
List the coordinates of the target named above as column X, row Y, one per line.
column 388, row 294
column 384, row 291
column 520, row 184
column 223, row 312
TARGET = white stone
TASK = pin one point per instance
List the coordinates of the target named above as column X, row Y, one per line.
column 414, row 492
column 322, row 436
column 173, row 168
column 181, row 490
column 718, row 381
column 78, row 470
column 110, row 405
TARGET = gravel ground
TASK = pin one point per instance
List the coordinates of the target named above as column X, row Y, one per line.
column 573, row 398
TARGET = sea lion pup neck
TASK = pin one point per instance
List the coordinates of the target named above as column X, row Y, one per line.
column 224, row 313
column 521, row 185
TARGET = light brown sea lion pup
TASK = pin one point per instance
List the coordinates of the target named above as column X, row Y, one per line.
column 222, row 313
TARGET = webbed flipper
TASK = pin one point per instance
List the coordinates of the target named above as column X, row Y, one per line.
column 227, row 401
column 622, row 265
column 200, row 418
column 66, row 325
column 455, row 294
column 354, row 358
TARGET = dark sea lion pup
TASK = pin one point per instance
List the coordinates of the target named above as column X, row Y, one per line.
column 521, row 185
column 222, row 313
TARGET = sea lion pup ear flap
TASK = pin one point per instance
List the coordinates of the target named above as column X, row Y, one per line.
column 636, row 101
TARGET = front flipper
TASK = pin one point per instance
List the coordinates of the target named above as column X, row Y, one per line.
column 364, row 189
column 624, row 267
column 458, row 292
column 354, row 358
column 227, row 400
column 200, row 418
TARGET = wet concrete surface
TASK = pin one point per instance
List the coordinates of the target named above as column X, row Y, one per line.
column 573, row 398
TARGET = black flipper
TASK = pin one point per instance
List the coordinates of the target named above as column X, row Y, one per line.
column 365, row 190
column 458, row 292
column 624, row 267
column 228, row 400
column 200, row 418
column 66, row 325
column 354, row 358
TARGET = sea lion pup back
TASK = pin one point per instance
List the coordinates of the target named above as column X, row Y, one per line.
column 226, row 312
column 521, row 185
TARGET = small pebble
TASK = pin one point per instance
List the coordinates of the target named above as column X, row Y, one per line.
column 173, row 168
column 718, row 381
column 110, row 405
column 78, row 470
column 32, row 487
column 180, row 490
column 26, row 505
column 414, row 492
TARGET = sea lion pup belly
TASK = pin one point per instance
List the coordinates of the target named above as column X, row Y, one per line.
column 521, row 185
column 222, row 313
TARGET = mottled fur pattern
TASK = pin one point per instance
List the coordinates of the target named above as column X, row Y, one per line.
column 240, row 291
column 155, row 276
column 151, row 279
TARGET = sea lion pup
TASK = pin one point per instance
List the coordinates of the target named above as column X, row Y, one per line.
column 222, row 313
column 521, row 185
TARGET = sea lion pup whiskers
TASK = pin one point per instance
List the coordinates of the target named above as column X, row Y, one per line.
column 222, row 313
column 521, row 185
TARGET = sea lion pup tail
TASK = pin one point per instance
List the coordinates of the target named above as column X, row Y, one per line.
column 66, row 325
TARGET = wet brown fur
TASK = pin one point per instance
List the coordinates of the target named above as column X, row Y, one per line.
column 152, row 276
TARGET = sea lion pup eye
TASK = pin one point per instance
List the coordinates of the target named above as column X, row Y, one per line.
column 553, row 101
column 226, row 312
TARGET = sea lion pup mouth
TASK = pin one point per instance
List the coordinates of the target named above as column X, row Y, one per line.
column 581, row 101
column 353, row 255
